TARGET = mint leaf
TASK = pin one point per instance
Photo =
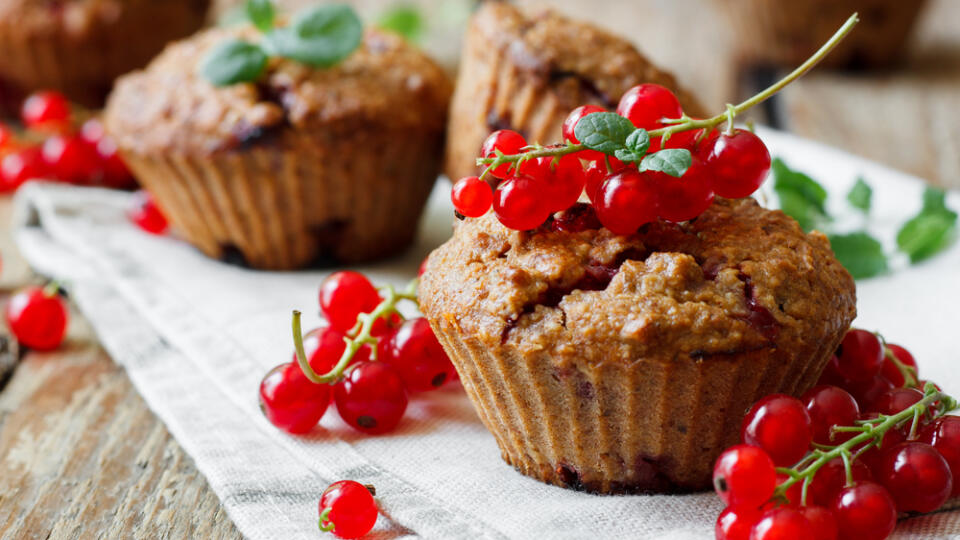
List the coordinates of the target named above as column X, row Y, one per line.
column 636, row 146
column 320, row 36
column 861, row 195
column 261, row 13
column 800, row 196
column 604, row 132
column 233, row 62
column 672, row 161
column 861, row 254
column 930, row 231
column 404, row 20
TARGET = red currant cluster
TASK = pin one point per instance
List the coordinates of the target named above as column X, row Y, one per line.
column 370, row 356
column 38, row 317
column 52, row 147
column 537, row 182
column 347, row 509
column 838, row 464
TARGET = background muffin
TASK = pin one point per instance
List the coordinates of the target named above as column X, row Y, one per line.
column 625, row 363
column 271, row 172
column 80, row 46
column 527, row 72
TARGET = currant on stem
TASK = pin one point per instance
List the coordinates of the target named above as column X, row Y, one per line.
column 347, row 509
column 744, row 475
column 781, row 426
column 371, row 397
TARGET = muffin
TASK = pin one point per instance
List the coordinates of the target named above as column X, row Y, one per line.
column 80, row 46
column 526, row 72
column 785, row 34
column 303, row 166
column 623, row 364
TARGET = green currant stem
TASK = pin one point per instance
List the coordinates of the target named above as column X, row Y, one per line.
column 51, row 289
column 324, row 516
column 359, row 336
column 908, row 372
column 871, row 435
column 685, row 123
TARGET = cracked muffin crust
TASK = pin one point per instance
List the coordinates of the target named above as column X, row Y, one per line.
column 625, row 363
column 269, row 173
column 526, row 70
column 80, row 46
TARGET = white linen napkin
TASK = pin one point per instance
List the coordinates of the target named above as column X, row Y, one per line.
column 196, row 336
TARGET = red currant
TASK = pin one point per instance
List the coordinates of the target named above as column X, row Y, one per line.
column 782, row 523
column 349, row 508
column 570, row 124
column 864, row 511
column 744, row 476
column 916, row 475
column 823, row 525
column 520, row 205
column 345, row 295
column 627, row 200
column 891, row 372
column 831, row 477
column 6, row 136
column 738, row 163
column 507, row 142
column 594, row 176
column 735, row 522
column 471, row 196
column 860, row 355
column 19, row 166
column 145, row 214
column 868, row 391
column 70, row 159
column 46, row 109
column 831, row 375
column 417, row 356
column 115, row 172
column 683, row 139
column 579, row 217
column 38, row 317
column 780, row 425
column 684, row 198
column 944, row 435
column 292, row 402
column 829, row 406
column 324, row 346
column 896, row 400
column 566, row 182
column 646, row 105
column 371, row 397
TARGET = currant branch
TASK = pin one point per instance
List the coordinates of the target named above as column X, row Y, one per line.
column 871, row 434
column 677, row 125
column 357, row 337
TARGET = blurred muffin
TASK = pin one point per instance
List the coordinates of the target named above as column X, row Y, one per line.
column 301, row 166
column 80, row 46
column 621, row 364
column 527, row 71
column 787, row 33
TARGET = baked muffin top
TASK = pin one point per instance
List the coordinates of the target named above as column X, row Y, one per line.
column 170, row 106
column 736, row 279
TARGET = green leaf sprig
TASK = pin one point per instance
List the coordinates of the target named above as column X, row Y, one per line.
column 319, row 36
column 403, row 19
column 930, row 231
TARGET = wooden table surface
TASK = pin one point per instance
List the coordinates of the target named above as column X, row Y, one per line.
column 82, row 456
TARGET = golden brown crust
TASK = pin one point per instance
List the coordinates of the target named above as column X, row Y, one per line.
column 171, row 107
column 635, row 383
column 81, row 46
column 526, row 71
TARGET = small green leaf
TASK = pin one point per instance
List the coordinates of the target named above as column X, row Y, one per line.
column 861, row 195
column 320, row 36
column 861, row 254
column 672, row 161
column 636, row 146
column 233, row 62
column 261, row 13
column 800, row 196
column 929, row 231
column 604, row 132
column 404, row 20
column 934, row 200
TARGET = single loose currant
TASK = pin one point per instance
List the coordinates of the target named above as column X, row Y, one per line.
column 864, row 511
column 38, row 317
column 505, row 141
column 744, row 475
column 916, row 475
column 829, row 406
column 347, row 509
column 627, row 200
column 471, row 196
column 519, row 203
column 371, row 397
column 782, row 523
column 738, row 163
column 944, row 435
column 45, row 110
column 344, row 295
column 416, row 354
column 781, row 426
column 860, row 355
column 145, row 213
